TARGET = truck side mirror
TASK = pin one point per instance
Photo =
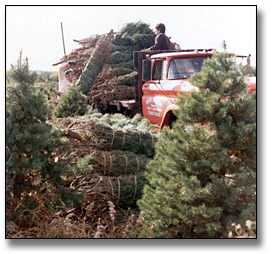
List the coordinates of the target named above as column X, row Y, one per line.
column 146, row 70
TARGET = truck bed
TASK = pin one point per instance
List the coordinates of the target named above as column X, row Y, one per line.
column 129, row 104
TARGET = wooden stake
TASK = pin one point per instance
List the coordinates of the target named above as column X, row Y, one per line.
column 62, row 38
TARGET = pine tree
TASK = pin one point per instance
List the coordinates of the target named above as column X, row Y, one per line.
column 73, row 102
column 203, row 176
column 32, row 145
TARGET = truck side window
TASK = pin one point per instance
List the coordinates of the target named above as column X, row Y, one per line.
column 183, row 68
column 159, row 70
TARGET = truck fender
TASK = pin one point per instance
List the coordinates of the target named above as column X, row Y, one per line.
column 166, row 116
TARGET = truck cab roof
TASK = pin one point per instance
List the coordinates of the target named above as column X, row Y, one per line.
column 183, row 54
column 186, row 53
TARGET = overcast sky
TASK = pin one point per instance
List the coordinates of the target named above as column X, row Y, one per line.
column 36, row 30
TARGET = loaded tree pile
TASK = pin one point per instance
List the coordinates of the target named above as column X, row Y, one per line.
column 104, row 63
column 116, row 80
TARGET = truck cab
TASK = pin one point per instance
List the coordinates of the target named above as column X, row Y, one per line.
column 164, row 76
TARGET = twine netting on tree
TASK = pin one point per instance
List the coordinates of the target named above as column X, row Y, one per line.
column 107, row 138
column 95, row 63
column 123, row 190
column 103, row 133
column 108, row 163
column 117, row 162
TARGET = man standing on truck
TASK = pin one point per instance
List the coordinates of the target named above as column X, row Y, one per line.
column 65, row 78
column 162, row 42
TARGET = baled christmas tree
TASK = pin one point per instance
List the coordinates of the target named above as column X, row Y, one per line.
column 203, row 176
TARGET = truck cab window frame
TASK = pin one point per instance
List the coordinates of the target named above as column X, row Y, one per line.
column 159, row 69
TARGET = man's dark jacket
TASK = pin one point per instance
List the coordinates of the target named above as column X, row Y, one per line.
column 161, row 42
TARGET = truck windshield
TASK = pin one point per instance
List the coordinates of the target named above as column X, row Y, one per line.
column 183, row 68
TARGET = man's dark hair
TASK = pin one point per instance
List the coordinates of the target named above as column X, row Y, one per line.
column 160, row 27
column 68, row 71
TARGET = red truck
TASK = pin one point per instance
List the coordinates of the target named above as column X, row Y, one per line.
column 161, row 76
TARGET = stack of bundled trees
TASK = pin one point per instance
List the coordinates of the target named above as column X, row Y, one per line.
column 110, row 152
column 104, row 63
column 116, row 81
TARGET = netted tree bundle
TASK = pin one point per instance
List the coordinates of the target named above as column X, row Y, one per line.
column 117, row 162
column 106, row 132
column 127, row 79
column 125, row 36
column 95, row 63
column 118, row 56
column 107, row 138
column 122, row 191
column 128, row 64
column 142, row 41
column 119, row 48
column 132, row 37
column 109, row 163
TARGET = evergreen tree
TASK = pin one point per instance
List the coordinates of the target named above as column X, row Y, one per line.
column 73, row 102
column 203, row 176
column 32, row 145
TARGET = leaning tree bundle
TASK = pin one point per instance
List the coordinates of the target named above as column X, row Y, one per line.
column 95, row 63
column 122, row 191
column 81, row 55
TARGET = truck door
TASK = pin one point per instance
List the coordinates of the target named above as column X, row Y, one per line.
column 153, row 100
